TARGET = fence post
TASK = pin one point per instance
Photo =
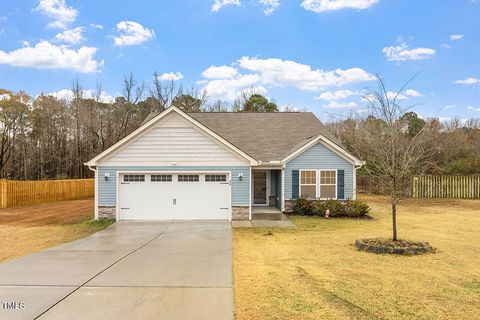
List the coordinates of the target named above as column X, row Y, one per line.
column 3, row 194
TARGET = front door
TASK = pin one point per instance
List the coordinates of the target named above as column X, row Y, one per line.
column 260, row 187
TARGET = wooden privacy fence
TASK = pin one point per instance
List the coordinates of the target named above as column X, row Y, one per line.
column 17, row 193
column 456, row 187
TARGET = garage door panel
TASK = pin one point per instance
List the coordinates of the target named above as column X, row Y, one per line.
column 182, row 196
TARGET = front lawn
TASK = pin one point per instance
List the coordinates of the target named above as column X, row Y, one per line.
column 28, row 229
column 315, row 272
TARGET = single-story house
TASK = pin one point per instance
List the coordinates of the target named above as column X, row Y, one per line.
column 218, row 165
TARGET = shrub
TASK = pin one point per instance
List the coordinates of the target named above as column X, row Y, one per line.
column 338, row 209
column 319, row 208
column 303, row 206
column 359, row 208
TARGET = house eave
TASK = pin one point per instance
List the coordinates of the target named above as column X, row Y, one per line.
column 329, row 144
column 94, row 161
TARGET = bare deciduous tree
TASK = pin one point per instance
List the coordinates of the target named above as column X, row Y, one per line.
column 392, row 155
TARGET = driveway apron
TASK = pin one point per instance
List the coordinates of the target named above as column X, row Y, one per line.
column 131, row 270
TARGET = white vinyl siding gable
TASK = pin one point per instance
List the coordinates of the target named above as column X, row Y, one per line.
column 174, row 140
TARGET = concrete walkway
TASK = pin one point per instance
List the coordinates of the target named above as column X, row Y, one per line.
column 131, row 270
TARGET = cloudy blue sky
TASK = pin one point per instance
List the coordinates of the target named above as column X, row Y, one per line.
column 320, row 55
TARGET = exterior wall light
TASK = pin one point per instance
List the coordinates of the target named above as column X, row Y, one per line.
column 240, row 176
column 106, row 176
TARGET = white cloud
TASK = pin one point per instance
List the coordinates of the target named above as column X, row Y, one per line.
column 58, row 10
column 229, row 89
column 340, row 105
column 132, row 33
column 335, row 95
column 219, row 4
column 468, row 81
column 170, row 76
column 269, row 6
column 67, row 94
column 319, row 6
column 45, row 55
column 395, row 95
column 446, row 46
column 402, row 52
column 71, row 36
column 412, row 93
column 473, row 109
column 449, row 106
column 224, row 82
column 278, row 72
column 221, row 72
column 456, row 37
column 96, row 26
column 409, row 93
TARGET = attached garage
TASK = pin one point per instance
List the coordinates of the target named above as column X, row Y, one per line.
column 174, row 195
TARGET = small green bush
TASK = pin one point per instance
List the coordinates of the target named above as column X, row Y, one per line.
column 338, row 208
column 319, row 208
column 303, row 206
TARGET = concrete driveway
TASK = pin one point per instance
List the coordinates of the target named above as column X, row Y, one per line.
column 131, row 270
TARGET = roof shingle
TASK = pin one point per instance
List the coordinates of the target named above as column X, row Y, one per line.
column 265, row 136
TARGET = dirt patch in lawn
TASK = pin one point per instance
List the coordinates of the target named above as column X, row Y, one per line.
column 315, row 271
column 24, row 230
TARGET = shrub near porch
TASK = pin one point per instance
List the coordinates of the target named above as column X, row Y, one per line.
column 315, row 272
column 336, row 208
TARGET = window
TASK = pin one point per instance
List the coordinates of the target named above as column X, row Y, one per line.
column 308, row 184
column 161, row 177
column 134, row 178
column 187, row 177
column 328, row 184
column 215, row 177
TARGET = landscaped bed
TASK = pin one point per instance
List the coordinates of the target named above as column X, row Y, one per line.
column 405, row 247
column 28, row 229
column 316, row 272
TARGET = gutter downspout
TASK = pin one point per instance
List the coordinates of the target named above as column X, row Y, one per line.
column 355, row 179
column 96, row 190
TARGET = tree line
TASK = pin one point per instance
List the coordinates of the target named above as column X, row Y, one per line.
column 45, row 137
column 456, row 140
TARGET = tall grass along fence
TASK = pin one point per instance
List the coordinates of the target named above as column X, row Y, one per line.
column 17, row 193
column 452, row 187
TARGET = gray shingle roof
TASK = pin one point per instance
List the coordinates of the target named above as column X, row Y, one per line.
column 264, row 136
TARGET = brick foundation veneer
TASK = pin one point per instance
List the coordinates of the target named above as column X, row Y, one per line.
column 107, row 212
column 288, row 206
column 241, row 213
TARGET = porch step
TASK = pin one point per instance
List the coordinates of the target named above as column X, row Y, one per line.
column 267, row 216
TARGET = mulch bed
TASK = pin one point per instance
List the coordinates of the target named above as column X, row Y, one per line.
column 388, row 246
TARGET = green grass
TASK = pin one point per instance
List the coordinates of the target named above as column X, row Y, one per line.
column 315, row 272
column 97, row 225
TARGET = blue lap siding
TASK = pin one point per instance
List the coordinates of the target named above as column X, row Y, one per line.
column 320, row 157
column 107, row 190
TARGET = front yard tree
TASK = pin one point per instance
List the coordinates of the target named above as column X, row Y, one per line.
column 392, row 152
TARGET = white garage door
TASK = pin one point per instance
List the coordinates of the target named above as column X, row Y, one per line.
column 160, row 196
